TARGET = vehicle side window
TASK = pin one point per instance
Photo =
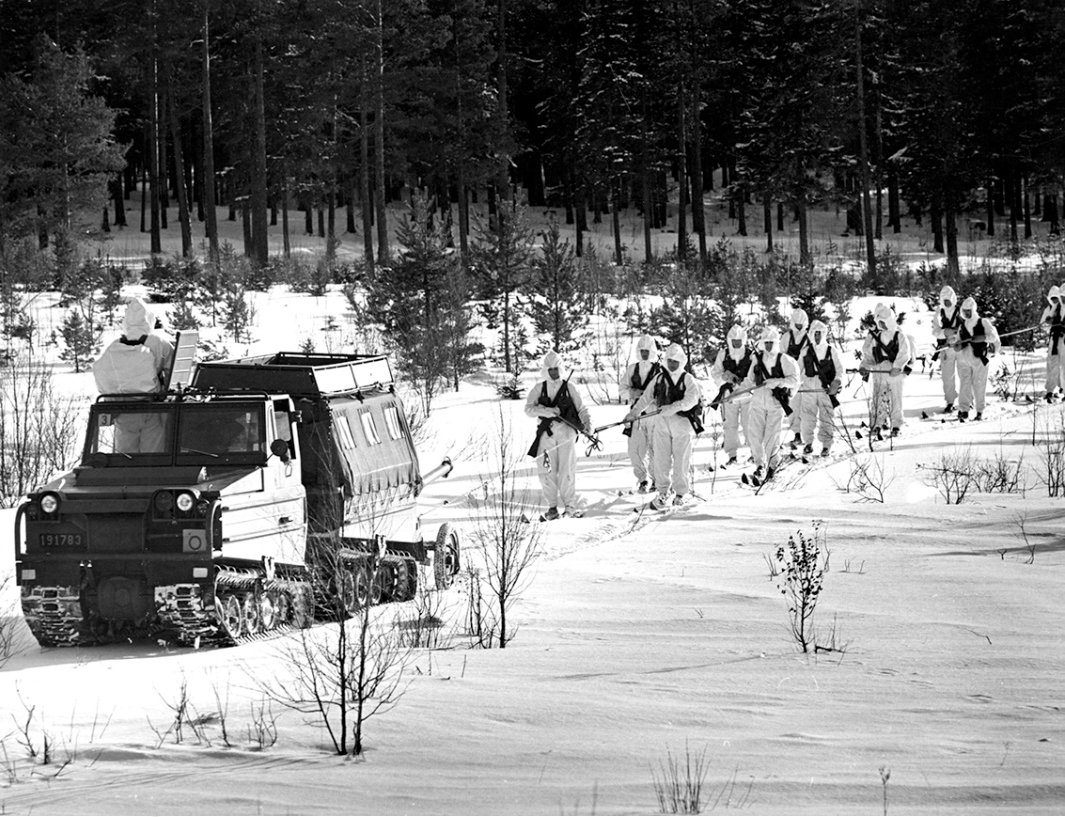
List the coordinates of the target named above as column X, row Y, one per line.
column 395, row 429
column 343, row 431
column 369, row 427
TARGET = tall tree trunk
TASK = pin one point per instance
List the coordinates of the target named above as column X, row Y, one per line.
column 936, row 215
column 863, row 148
column 258, row 204
column 698, row 213
column 286, row 242
column 209, row 203
column 153, row 133
column 741, row 206
column 379, row 142
column 365, row 202
column 893, row 206
column 179, row 172
column 1014, row 189
column 503, row 170
column 950, row 214
column 1027, row 205
column 160, row 140
column 805, row 257
column 989, row 208
column 464, row 218
column 616, row 219
column 767, row 220
column 682, row 175
column 120, row 200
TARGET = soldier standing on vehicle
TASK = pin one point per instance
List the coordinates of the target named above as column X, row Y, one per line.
column 640, row 433
column 978, row 341
column 885, row 356
column 136, row 363
column 773, row 379
column 562, row 415
column 945, row 325
column 794, row 343
column 677, row 395
column 729, row 370
column 822, row 369
column 1054, row 319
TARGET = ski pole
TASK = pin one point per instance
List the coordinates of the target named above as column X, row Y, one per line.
column 597, row 429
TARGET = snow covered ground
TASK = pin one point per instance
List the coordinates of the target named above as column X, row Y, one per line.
column 639, row 635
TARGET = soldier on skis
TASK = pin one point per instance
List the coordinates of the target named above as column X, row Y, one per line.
column 561, row 412
column 978, row 341
column 945, row 323
column 1054, row 320
column 729, row 370
column 637, row 377
column 677, row 395
column 885, row 356
column 773, row 378
column 795, row 341
column 822, row 370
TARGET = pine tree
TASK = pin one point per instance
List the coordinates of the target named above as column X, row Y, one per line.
column 81, row 340
column 560, row 307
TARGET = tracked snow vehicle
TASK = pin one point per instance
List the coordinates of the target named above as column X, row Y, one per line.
column 271, row 491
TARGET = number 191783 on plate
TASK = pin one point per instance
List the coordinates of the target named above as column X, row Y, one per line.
column 61, row 540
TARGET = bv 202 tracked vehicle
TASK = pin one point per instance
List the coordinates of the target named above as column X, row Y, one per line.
column 210, row 514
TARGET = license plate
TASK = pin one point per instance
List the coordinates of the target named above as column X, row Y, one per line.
column 61, row 540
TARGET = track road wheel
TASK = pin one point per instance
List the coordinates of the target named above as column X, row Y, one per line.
column 252, row 620
column 267, row 610
column 230, row 616
column 445, row 557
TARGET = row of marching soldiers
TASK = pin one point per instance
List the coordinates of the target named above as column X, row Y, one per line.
column 791, row 380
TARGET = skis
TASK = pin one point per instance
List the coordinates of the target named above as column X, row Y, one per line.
column 574, row 514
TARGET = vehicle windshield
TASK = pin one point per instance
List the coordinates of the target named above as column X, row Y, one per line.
column 181, row 433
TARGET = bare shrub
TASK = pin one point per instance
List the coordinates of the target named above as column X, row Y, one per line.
column 9, row 623
column 802, row 571
column 679, row 782
column 343, row 674
column 262, row 731
column 1052, row 470
column 185, row 722
column 1000, row 475
column 38, row 427
column 953, row 475
column 425, row 628
column 1020, row 521
column 868, row 478
column 505, row 541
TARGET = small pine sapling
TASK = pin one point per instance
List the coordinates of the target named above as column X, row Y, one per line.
column 802, row 571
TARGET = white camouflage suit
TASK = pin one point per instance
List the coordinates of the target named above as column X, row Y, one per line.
column 886, row 371
column 733, row 412
column 816, row 405
column 556, row 453
column 642, row 432
column 972, row 370
column 673, row 434
column 765, row 414
column 945, row 328
column 136, row 363
column 1053, row 315
column 793, row 343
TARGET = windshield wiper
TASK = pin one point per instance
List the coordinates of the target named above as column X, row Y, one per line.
column 197, row 451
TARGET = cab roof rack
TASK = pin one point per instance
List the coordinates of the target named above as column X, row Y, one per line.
column 297, row 373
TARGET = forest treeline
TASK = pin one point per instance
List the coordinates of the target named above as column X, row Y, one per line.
column 946, row 111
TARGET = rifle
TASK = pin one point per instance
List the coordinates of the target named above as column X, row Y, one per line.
column 831, row 397
column 597, row 429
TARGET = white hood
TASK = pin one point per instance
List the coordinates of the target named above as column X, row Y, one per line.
column 799, row 321
column 676, row 352
column 139, row 320
column 969, row 306
column 1055, row 292
column 819, row 346
column 947, row 298
column 648, row 343
column 885, row 315
column 769, row 335
column 552, row 360
column 739, row 333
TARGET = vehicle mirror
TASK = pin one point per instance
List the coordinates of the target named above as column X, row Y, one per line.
column 279, row 448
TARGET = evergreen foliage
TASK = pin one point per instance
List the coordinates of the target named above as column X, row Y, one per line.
column 81, row 340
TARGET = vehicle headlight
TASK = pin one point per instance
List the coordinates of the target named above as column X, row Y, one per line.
column 49, row 503
column 163, row 502
column 185, row 502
